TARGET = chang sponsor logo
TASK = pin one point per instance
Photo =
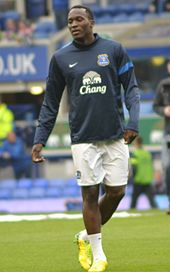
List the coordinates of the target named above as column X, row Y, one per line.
column 92, row 84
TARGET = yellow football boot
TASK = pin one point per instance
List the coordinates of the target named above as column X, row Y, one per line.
column 85, row 253
column 98, row 266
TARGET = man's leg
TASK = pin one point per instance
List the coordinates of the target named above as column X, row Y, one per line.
column 91, row 211
column 92, row 221
column 167, row 180
column 149, row 193
column 95, row 215
column 110, row 201
column 136, row 193
column 17, row 174
column 166, row 167
column 97, row 212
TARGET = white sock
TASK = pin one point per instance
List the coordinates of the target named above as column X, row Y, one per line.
column 83, row 235
column 96, row 244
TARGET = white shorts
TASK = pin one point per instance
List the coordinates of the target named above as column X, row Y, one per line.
column 105, row 161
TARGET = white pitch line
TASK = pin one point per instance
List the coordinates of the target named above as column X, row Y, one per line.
column 37, row 217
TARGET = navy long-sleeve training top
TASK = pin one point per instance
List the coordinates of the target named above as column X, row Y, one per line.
column 93, row 75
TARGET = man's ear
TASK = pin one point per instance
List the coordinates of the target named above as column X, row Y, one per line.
column 92, row 22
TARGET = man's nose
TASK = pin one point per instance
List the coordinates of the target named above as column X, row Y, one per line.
column 74, row 23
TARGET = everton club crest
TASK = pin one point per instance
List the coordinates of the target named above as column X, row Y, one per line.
column 103, row 60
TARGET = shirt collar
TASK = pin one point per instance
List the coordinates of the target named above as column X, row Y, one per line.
column 82, row 46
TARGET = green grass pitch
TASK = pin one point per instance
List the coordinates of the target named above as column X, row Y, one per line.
column 131, row 244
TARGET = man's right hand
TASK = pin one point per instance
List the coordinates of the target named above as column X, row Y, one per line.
column 36, row 153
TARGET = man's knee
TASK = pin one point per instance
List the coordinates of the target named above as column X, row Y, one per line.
column 90, row 194
column 117, row 192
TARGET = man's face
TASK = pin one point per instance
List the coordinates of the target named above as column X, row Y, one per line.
column 11, row 137
column 168, row 67
column 79, row 23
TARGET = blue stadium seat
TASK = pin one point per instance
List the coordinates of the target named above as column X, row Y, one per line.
column 105, row 19
column 146, row 108
column 5, row 193
column 162, row 201
column 35, row 8
column 20, row 193
column 71, row 188
column 147, row 96
column 126, row 8
column 40, row 182
column 142, row 7
column 54, row 192
column 60, row 183
column 118, row 9
column 1, row 21
column 24, row 183
column 108, row 10
column 71, row 181
column 97, row 11
column 8, row 184
column 44, row 29
column 71, row 191
column 121, row 18
column 136, row 17
column 12, row 14
column 37, row 192
column 40, row 35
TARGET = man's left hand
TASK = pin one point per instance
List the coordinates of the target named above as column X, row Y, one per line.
column 129, row 136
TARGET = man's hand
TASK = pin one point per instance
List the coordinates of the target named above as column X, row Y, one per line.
column 36, row 153
column 129, row 136
column 167, row 111
column 6, row 155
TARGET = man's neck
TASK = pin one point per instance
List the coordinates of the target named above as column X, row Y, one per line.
column 87, row 41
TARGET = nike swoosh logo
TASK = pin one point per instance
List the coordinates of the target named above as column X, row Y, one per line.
column 72, row 65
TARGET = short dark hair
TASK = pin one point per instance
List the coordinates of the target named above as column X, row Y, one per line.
column 88, row 10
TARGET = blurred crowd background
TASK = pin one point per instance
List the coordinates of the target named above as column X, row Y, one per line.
column 30, row 31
